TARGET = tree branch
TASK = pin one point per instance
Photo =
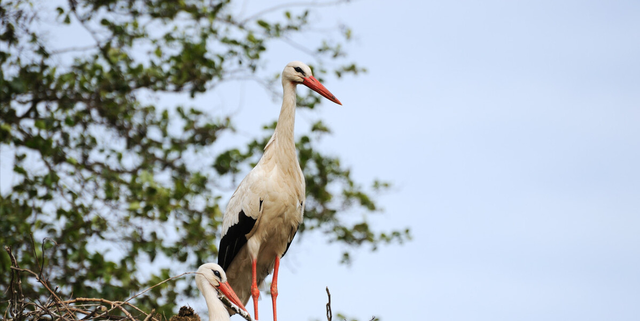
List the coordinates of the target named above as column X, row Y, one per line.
column 329, row 313
column 234, row 307
column 292, row 4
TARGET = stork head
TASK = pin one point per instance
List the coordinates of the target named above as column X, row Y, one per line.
column 214, row 275
column 299, row 73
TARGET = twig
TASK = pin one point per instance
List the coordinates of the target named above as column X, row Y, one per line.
column 17, row 297
column 146, row 290
column 300, row 47
column 150, row 315
column 289, row 5
column 234, row 307
column 35, row 255
column 52, row 307
column 114, row 304
column 64, row 50
column 44, row 284
column 329, row 314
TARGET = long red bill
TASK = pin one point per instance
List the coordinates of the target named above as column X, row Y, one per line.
column 231, row 295
column 316, row 86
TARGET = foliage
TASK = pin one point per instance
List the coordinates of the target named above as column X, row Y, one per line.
column 105, row 179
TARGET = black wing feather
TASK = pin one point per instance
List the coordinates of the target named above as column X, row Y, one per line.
column 234, row 240
column 289, row 244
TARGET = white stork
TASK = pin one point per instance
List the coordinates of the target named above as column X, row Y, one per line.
column 209, row 278
column 264, row 213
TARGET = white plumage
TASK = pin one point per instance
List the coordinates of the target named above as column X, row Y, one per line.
column 264, row 213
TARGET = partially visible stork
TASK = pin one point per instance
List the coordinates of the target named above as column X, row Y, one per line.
column 266, row 209
column 210, row 278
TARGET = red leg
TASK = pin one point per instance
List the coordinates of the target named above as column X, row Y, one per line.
column 274, row 287
column 255, row 293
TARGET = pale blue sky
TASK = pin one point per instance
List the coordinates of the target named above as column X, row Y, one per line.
column 511, row 131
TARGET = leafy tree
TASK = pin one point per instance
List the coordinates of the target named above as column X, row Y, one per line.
column 104, row 179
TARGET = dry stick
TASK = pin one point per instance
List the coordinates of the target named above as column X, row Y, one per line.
column 234, row 307
column 112, row 303
column 329, row 314
column 41, row 309
column 44, row 284
column 44, row 310
column 146, row 290
column 57, row 306
column 35, row 255
column 16, row 289
column 80, row 310
column 44, row 241
column 292, row 4
column 150, row 315
column 137, row 309
column 117, row 304
column 58, row 302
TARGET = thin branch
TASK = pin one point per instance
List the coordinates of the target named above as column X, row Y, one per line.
column 146, row 290
column 329, row 314
column 43, row 283
column 114, row 304
column 300, row 47
column 234, row 307
column 65, row 50
column 150, row 315
column 292, row 4
column 91, row 315
column 15, row 287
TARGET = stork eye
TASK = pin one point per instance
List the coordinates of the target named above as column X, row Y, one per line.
column 298, row 69
column 216, row 273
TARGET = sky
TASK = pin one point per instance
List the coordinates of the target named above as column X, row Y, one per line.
column 511, row 134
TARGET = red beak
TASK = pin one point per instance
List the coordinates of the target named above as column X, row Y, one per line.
column 316, row 86
column 231, row 295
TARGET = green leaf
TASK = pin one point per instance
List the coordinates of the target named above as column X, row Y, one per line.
column 134, row 206
column 264, row 24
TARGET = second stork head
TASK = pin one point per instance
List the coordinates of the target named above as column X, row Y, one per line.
column 214, row 275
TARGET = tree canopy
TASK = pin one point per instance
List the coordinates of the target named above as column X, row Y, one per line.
column 104, row 179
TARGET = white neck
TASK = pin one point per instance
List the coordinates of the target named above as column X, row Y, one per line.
column 284, row 130
column 217, row 311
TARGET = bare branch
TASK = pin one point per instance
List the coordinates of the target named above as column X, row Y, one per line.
column 146, row 290
column 70, row 49
column 97, row 310
column 300, row 47
column 16, row 303
column 150, row 315
column 290, row 5
column 329, row 314
column 114, row 304
column 53, row 293
column 234, row 307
